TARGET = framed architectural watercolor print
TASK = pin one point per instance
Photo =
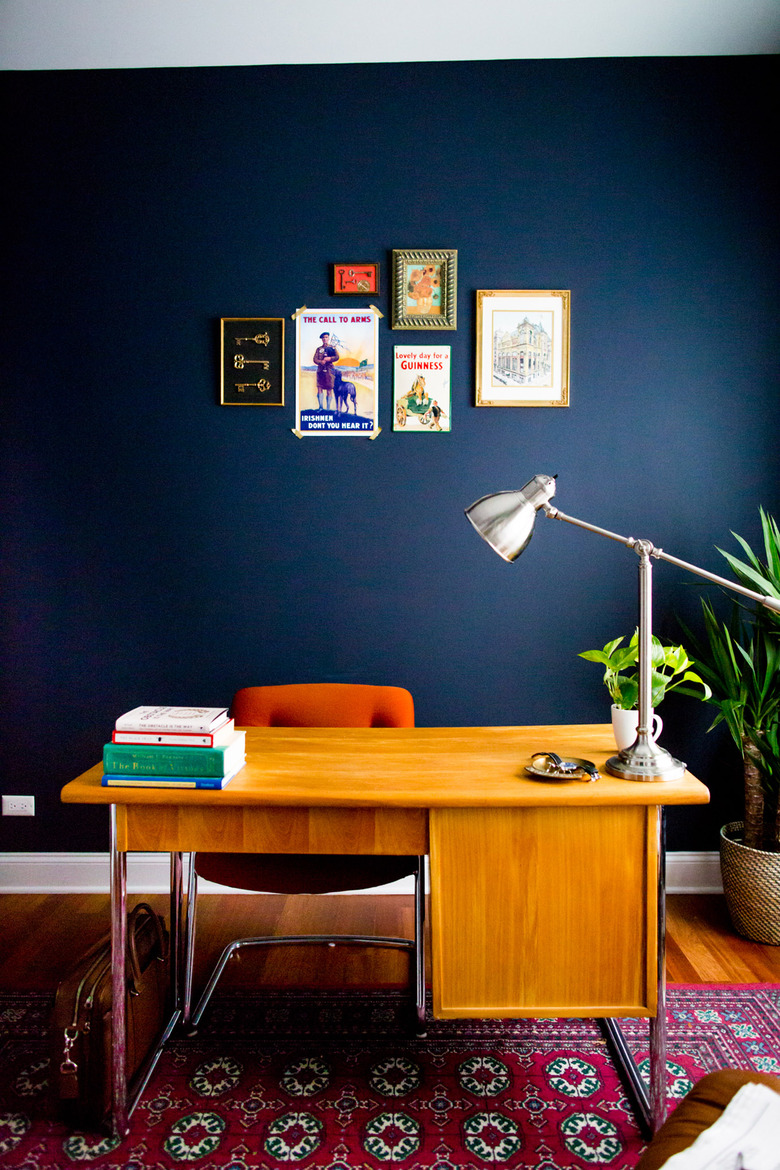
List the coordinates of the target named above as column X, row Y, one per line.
column 522, row 348
column 336, row 374
column 252, row 361
column 421, row 389
column 356, row 279
column 425, row 286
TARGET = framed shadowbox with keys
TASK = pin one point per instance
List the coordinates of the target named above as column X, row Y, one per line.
column 252, row 361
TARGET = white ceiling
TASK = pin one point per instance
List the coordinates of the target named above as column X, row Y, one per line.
column 128, row 34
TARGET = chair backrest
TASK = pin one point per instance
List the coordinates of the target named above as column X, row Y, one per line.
column 323, row 705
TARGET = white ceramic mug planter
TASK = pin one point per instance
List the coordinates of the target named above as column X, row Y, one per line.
column 624, row 725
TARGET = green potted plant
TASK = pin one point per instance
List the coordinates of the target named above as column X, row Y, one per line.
column 740, row 660
column 671, row 670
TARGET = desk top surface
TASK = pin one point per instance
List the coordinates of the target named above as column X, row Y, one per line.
column 415, row 767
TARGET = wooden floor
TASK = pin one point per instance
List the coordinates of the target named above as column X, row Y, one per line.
column 42, row 934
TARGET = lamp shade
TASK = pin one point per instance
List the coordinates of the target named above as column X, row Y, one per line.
column 506, row 519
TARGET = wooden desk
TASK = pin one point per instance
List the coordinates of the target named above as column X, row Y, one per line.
column 546, row 897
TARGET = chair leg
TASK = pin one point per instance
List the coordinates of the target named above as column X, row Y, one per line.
column 416, row 946
column 419, row 947
column 365, row 940
column 189, row 943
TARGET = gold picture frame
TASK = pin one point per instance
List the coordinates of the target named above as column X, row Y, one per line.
column 251, row 354
column 522, row 347
column 425, row 287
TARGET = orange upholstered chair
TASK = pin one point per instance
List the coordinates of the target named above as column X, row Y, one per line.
column 310, row 705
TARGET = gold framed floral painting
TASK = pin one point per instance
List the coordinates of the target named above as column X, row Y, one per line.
column 425, row 289
column 522, row 347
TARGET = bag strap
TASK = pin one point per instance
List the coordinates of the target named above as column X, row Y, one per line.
column 142, row 910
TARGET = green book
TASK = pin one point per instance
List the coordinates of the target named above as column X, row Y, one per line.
column 129, row 759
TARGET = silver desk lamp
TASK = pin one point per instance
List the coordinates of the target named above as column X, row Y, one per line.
column 506, row 521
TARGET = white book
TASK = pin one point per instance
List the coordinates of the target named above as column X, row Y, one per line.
column 217, row 738
column 197, row 719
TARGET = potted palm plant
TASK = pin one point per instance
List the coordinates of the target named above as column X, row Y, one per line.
column 671, row 670
column 739, row 658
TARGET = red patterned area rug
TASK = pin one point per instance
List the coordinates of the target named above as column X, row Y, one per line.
column 352, row 1092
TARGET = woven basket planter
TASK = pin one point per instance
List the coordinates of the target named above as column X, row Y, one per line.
column 751, row 883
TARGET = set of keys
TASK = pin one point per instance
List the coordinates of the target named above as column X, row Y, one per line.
column 239, row 361
column 262, row 385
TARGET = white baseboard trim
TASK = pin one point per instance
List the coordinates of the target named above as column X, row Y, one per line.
column 693, row 873
column 148, row 873
column 89, row 873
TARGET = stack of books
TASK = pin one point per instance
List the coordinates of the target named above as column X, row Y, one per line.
column 174, row 747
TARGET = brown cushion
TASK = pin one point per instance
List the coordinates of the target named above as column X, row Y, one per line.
column 697, row 1111
column 302, row 873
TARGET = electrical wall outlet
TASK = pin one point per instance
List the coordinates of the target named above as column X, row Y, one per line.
column 18, row 806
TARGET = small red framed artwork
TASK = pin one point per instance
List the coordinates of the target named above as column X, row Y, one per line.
column 355, row 279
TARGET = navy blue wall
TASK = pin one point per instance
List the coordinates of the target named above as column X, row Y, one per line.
column 161, row 548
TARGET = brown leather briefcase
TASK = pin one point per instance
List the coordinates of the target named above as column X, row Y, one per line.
column 82, row 1047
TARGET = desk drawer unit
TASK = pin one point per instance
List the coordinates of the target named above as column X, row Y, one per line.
column 271, row 829
column 544, row 911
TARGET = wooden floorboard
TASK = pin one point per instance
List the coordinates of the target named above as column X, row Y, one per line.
column 703, row 947
column 41, row 935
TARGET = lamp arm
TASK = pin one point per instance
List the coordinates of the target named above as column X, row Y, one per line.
column 556, row 514
column 659, row 554
column 764, row 599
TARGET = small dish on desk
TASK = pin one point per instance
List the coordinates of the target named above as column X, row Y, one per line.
column 551, row 766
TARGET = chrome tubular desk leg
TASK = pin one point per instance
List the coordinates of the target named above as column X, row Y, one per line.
column 118, row 951
column 419, row 950
column 650, row 1106
column 658, row 1075
column 122, row 1103
column 142, row 1076
column 176, row 931
column 189, row 939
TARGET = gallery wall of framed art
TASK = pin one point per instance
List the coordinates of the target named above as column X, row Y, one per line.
column 521, row 359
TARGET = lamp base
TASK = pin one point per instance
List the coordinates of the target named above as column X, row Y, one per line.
column 645, row 761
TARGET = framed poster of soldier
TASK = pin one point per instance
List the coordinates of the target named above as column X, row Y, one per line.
column 336, row 376
column 522, row 348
